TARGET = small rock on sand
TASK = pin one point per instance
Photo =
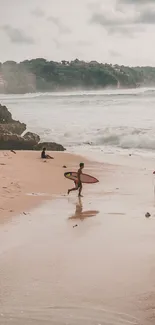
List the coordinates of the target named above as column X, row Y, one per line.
column 147, row 215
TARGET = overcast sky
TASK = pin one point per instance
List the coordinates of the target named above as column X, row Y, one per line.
column 112, row 31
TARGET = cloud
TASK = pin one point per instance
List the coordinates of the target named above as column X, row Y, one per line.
column 126, row 31
column 114, row 24
column 57, row 43
column 105, row 20
column 114, row 53
column 122, row 22
column 17, row 35
column 147, row 17
column 37, row 12
column 63, row 29
column 83, row 43
column 68, row 34
column 135, row 2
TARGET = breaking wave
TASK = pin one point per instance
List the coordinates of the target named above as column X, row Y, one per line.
column 127, row 138
column 81, row 118
column 83, row 93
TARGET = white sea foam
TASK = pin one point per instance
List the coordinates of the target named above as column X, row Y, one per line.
column 116, row 118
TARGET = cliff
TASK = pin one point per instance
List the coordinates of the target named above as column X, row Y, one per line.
column 40, row 75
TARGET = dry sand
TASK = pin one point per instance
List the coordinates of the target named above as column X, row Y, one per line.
column 79, row 262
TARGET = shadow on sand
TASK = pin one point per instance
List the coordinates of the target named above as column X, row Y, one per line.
column 80, row 214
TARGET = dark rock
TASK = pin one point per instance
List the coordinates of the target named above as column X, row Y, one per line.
column 11, row 139
column 32, row 137
column 50, row 146
column 14, row 142
column 147, row 215
column 89, row 143
column 5, row 115
column 16, row 128
column 7, row 124
column 64, row 166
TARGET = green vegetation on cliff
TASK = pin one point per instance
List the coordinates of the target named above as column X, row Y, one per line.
column 42, row 75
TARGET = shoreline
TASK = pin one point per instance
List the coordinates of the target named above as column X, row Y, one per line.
column 27, row 180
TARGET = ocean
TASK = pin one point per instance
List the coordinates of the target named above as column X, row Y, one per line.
column 109, row 120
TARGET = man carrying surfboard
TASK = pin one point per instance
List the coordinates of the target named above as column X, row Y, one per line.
column 78, row 183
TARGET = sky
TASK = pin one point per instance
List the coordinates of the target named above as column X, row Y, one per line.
column 108, row 31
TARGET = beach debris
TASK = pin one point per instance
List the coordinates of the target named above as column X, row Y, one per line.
column 154, row 172
column 130, row 154
column 64, row 166
column 3, row 164
column 89, row 143
column 75, row 226
column 147, row 215
column 13, row 151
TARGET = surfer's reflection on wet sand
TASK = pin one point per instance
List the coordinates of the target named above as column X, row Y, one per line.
column 80, row 214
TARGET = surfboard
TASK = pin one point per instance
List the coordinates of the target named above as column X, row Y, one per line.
column 84, row 177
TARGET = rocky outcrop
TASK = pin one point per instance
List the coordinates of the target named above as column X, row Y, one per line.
column 11, row 135
column 51, row 146
column 8, row 124
column 14, row 142
column 33, row 137
column 15, row 128
column 5, row 115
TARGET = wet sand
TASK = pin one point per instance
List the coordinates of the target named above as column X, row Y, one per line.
column 88, row 261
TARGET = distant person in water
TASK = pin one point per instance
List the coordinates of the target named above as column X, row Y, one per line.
column 44, row 156
column 78, row 183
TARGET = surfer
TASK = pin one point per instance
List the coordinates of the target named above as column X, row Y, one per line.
column 78, row 183
column 44, row 156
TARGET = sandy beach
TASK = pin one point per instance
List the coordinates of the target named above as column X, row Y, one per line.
column 27, row 180
column 71, row 261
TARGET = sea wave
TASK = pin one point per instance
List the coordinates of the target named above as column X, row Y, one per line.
column 121, row 138
column 127, row 138
column 80, row 93
column 90, row 121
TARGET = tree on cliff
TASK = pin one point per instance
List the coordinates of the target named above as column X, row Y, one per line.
column 42, row 75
